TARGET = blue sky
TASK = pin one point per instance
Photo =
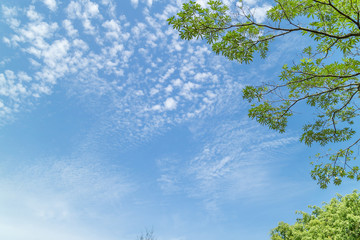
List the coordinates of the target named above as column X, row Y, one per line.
column 111, row 124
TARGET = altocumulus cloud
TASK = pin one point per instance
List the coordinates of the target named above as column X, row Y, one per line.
column 98, row 54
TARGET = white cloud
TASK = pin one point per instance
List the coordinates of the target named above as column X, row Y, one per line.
column 36, row 31
column 138, row 29
column 85, row 10
column 149, row 2
column 33, row 15
column 51, row 4
column 14, row 88
column 71, row 31
column 259, row 13
column 56, row 52
column 251, row 2
column 74, row 9
column 156, row 108
column 80, row 44
column 10, row 14
column 187, row 92
column 154, row 91
column 167, row 74
column 6, row 41
column 177, row 82
column 112, row 25
column 134, row 3
column 203, row 3
column 92, row 9
column 89, row 28
column 203, row 77
column 24, row 77
column 9, row 89
column 169, row 89
column 169, row 11
column 170, row 104
column 114, row 30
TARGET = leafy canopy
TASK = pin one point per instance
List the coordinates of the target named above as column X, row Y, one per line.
column 326, row 78
column 339, row 219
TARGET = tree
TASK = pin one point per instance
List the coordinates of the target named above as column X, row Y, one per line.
column 326, row 78
column 149, row 235
column 339, row 219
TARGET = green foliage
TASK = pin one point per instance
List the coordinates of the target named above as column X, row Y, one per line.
column 339, row 219
column 327, row 84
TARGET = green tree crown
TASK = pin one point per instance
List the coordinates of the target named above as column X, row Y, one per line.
column 338, row 219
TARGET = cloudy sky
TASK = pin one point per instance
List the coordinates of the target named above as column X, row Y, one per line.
column 110, row 124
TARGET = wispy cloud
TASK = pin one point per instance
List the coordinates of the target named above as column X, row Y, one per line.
column 236, row 162
column 59, row 199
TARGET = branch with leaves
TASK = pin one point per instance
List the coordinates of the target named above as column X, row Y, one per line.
column 326, row 78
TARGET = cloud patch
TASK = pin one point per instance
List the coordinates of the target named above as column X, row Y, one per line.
column 51, row 4
column 235, row 162
column 106, row 58
column 170, row 104
column 134, row 3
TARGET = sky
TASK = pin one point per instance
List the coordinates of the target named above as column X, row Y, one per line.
column 110, row 124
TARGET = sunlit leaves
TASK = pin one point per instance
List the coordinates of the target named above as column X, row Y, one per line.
column 339, row 219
